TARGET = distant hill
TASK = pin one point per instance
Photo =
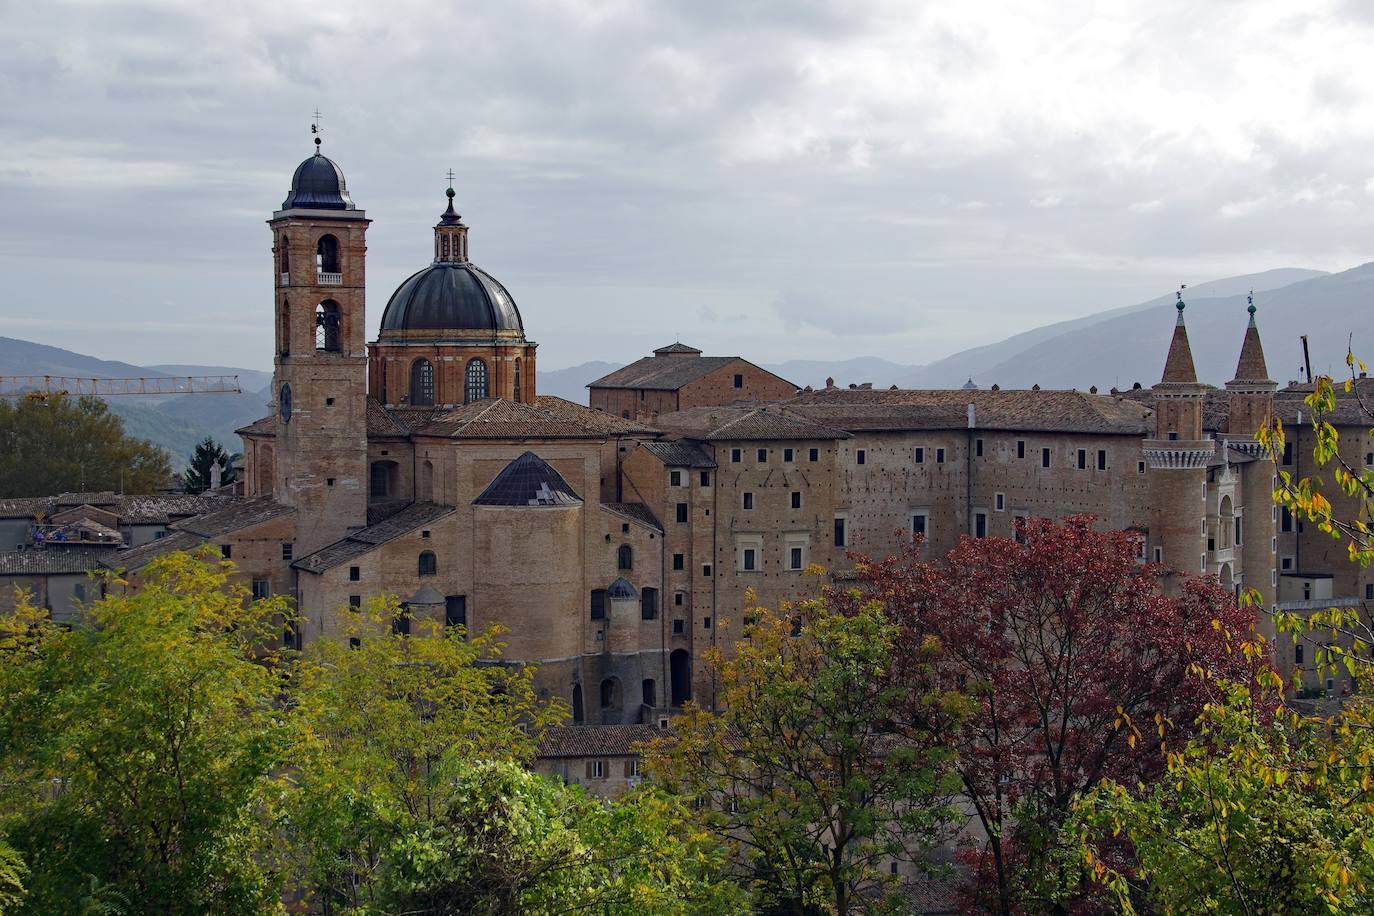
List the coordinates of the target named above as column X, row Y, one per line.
column 571, row 383
column 174, row 423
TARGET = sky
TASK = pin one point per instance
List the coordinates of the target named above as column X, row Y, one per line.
column 798, row 179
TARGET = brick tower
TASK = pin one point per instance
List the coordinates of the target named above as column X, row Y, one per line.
column 321, row 354
column 1177, row 458
column 1250, row 398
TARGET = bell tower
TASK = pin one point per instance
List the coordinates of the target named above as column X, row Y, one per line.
column 319, row 274
column 1177, row 458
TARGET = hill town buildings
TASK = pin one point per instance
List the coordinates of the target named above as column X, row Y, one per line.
column 615, row 542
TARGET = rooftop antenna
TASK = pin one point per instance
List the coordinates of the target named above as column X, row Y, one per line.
column 315, row 129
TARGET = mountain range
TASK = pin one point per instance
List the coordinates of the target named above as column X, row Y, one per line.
column 1116, row 347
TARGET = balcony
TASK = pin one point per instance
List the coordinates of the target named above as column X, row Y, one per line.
column 328, row 279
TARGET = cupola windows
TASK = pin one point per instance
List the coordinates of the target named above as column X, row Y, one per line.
column 422, row 383
column 475, row 388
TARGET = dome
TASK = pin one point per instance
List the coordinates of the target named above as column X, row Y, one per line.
column 318, row 185
column 448, row 295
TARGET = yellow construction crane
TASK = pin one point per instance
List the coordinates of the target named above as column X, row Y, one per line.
column 13, row 386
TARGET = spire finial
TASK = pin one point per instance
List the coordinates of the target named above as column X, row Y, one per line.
column 315, row 129
column 1251, row 299
column 1179, row 296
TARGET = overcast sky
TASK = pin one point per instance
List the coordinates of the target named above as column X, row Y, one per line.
column 784, row 180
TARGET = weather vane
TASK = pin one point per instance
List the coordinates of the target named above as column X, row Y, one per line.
column 315, row 129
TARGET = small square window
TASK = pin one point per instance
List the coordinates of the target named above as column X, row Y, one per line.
column 355, row 573
column 355, row 601
column 329, row 481
column 679, row 626
column 813, row 455
column 735, row 455
column 861, row 456
column 678, row 561
column 328, row 402
column 424, row 534
column 763, row 456
column 796, row 499
column 678, row 598
column 787, row 454
column 354, row 642
column 624, row 527
column 674, row 478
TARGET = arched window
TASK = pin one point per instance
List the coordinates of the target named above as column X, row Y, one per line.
column 284, row 322
column 610, row 693
column 625, row 557
column 428, row 565
column 518, row 396
column 422, row 383
column 327, row 256
column 327, row 326
column 577, row 704
column 476, row 387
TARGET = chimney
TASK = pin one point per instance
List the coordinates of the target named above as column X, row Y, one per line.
column 216, row 475
column 972, row 415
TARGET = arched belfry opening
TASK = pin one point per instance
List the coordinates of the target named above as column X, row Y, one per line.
column 422, row 383
column 327, row 257
column 327, row 326
column 284, row 258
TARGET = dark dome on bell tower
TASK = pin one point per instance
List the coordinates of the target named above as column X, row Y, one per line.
column 318, row 184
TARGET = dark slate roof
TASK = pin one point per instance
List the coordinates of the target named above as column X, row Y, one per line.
column 663, row 373
column 730, row 424
column 622, row 590
column 636, row 512
column 679, row 453
column 416, row 515
column 451, row 295
column 678, row 346
column 138, row 557
column 318, row 184
column 596, row 740
column 235, row 516
column 528, row 481
column 52, row 561
column 1289, row 401
column 1041, row 411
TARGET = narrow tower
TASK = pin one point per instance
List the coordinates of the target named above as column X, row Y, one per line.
column 321, row 354
column 1177, row 457
column 1250, row 399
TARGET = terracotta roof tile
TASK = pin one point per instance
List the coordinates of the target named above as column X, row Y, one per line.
column 596, row 740
column 138, row 557
column 236, row 515
column 858, row 409
column 679, row 453
column 635, row 512
column 1178, row 365
column 360, row 542
column 52, row 561
column 658, row 373
column 734, row 424
column 547, row 418
column 1251, row 367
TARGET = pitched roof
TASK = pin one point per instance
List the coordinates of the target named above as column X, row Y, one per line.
column 669, row 370
column 1288, row 403
column 100, row 498
column 680, row 453
column 547, row 418
column 266, row 426
column 637, row 512
column 528, row 481
column 149, row 509
column 678, row 347
column 27, row 507
column 731, row 424
column 857, row 409
column 596, row 740
column 234, row 516
column 52, row 561
column 138, row 557
column 414, row 516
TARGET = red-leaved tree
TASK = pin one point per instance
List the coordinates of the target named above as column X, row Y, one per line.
column 1074, row 655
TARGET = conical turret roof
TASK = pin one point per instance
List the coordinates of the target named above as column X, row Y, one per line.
column 1178, row 367
column 1251, row 367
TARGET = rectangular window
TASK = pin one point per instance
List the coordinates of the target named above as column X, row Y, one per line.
column 739, row 380
column 939, row 456
column 1044, row 457
column 1020, row 448
column 860, row 456
column 787, row 454
column 748, row 501
column 920, row 523
column 1297, row 654
column 456, row 611
column 648, row 603
column 679, row 626
column 1286, row 564
column 354, row 642
column 632, row 765
column 1159, row 554
column 682, row 513
column 355, row 601
column 794, row 558
column 706, row 570
column 261, row 589
column 750, row 562
column 796, row 499
column 1285, row 519
column 287, row 549
column 598, row 604
column 596, row 769
column 1287, row 453
column 354, row 573
column 706, row 623
column 813, row 455
column 678, row 598
column 1240, row 530
column 735, row 456
column 227, row 551
column 999, row 502
column 674, row 478
column 763, row 456
column 1140, row 467
column 920, row 455
column 978, row 448
column 1102, row 459
column 705, row 478
column 1369, row 591
column 1082, row 459
column 840, row 522
column 980, row 524
column 678, row 561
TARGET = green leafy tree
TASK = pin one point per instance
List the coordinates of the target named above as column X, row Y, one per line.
column 199, row 474
column 13, row 871
column 55, row 444
column 136, row 747
column 803, row 772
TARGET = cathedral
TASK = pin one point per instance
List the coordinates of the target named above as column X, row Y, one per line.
column 614, row 542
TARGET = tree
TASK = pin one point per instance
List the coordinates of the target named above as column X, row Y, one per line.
column 1067, row 644
column 53, row 444
column 13, row 871
column 137, row 746
column 199, row 476
column 803, row 772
